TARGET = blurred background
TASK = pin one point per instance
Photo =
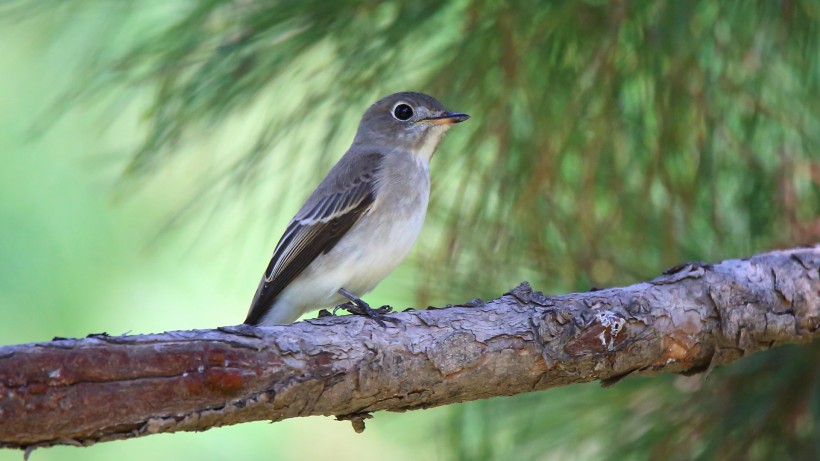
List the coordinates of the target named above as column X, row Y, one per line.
column 153, row 151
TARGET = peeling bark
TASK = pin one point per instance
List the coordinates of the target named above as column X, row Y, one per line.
column 691, row 318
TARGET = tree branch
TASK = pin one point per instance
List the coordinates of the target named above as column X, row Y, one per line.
column 695, row 316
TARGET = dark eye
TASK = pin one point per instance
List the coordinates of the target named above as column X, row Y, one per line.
column 403, row 112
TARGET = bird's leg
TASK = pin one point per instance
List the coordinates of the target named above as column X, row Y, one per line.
column 357, row 306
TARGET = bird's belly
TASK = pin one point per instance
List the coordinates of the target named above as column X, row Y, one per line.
column 368, row 253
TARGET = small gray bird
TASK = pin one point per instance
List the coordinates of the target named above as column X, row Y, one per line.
column 364, row 217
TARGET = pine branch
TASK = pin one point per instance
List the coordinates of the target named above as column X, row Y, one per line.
column 688, row 320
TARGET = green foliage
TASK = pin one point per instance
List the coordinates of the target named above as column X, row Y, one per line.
column 609, row 140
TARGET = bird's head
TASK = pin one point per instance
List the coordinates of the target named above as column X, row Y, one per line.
column 409, row 121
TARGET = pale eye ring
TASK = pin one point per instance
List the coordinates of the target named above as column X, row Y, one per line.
column 402, row 112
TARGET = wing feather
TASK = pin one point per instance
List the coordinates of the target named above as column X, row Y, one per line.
column 324, row 219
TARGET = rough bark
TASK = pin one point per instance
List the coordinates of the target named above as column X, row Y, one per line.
column 693, row 317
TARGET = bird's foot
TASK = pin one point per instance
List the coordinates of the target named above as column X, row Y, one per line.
column 358, row 306
column 362, row 309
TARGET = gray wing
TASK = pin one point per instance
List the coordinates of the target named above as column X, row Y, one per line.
column 331, row 211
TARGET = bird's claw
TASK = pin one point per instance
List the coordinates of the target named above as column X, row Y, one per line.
column 357, row 306
column 365, row 310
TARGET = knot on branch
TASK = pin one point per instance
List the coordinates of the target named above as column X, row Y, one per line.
column 578, row 329
column 356, row 419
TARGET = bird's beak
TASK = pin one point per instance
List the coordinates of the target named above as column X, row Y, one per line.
column 448, row 118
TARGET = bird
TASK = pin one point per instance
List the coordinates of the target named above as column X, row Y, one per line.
column 363, row 218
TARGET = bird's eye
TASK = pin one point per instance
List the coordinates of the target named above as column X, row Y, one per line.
column 403, row 112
